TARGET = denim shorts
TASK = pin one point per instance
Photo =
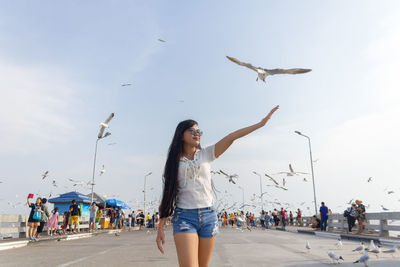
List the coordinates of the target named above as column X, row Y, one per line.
column 202, row 221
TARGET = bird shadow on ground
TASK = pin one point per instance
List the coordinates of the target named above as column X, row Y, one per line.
column 372, row 263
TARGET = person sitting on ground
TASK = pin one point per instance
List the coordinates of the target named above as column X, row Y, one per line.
column 316, row 224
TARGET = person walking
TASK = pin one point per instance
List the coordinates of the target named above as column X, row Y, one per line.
column 52, row 225
column 323, row 211
column 34, row 217
column 291, row 218
column 351, row 215
column 92, row 218
column 75, row 214
column 262, row 219
column 283, row 218
column 299, row 218
column 361, row 216
column 44, row 219
column 188, row 192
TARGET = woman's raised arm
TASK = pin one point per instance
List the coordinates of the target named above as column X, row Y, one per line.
column 225, row 142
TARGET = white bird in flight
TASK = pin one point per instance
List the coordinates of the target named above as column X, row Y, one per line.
column 291, row 172
column 369, row 179
column 230, row 177
column 161, row 40
column 263, row 73
column 104, row 125
column 54, row 183
column 335, row 257
column 126, row 84
column 103, row 170
column 44, row 175
column 385, row 209
column 272, row 179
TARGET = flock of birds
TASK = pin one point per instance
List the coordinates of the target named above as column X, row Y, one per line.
column 372, row 248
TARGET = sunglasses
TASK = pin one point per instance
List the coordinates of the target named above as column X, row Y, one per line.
column 194, row 131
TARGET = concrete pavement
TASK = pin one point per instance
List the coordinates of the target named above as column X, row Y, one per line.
column 233, row 248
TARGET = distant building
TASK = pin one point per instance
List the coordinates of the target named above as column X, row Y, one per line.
column 63, row 202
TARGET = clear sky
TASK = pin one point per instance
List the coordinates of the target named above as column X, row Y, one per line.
column 62, row 65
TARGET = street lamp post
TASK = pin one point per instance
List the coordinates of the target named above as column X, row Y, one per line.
column 312, row 169
column 242, row 195
column 261, row 193
column 95, row 154
column 144, row 197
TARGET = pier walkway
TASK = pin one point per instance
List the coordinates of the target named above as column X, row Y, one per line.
column 232, row 248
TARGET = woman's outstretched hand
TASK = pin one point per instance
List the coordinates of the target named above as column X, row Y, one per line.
column 264, row 121
column 160, row 239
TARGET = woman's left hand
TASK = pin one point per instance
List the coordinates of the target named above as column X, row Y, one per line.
column 264, row 121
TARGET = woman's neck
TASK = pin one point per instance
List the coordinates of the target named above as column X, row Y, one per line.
column 188, row 151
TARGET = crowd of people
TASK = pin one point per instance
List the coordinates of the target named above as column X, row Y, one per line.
column 40, row 217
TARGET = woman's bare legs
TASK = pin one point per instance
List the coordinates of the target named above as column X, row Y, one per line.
column 187, row 248
column 206, row 246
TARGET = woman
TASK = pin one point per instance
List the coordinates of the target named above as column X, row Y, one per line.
column 53, row 222
column 34, row 217
column 44, row 219
column 188, row 191
column 361, row 216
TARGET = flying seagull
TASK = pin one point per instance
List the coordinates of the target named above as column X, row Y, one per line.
column 272, row 179
column 161, row 40
column 335, row 257
column 263, row 73
column 111, row 144
column 104, row 125
column 44, row 175
column 350, row 201
column 126, row 84
column 291, row 172
column 54, row 183
column 230, row 177
column 103, row 170
column 390, row 192
column 369, row 179
column 385, row 209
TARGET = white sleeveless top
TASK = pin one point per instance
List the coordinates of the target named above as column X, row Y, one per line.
column 194, row 180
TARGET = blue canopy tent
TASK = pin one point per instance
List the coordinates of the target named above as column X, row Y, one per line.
column 117, row 203
column 64, row 201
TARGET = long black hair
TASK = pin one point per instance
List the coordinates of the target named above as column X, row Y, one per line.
column 170, row 176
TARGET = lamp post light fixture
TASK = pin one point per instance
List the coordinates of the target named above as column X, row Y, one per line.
column 95, row 154
column 261, row 193
column 312, row 169
column 144, row 197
